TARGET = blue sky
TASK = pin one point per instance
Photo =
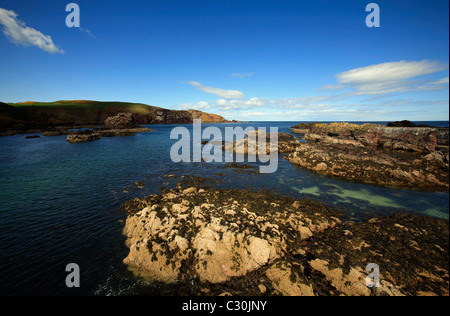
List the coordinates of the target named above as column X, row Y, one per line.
column 247, row 60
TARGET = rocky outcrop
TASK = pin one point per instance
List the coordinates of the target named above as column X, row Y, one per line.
column 239, row 242
column 97, row 133
column 81, row 138
column 215, row 235
column 301, row 128
column 406, row 123
column 250, row 144
column 394, row 156
column 120, row 121
column 373, row 166
column 416, row 139
column 411, row 252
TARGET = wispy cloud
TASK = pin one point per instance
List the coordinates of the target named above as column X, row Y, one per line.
column 243, row 75
column 17, row 32
column 390, row 71
column 225, row 94
column 440, row 81
column 87, row 31
column 239, row 105
column 331, row 87
column 364, row 93
column 389, row 77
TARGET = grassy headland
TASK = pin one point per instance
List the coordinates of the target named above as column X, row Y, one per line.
column 42, row 115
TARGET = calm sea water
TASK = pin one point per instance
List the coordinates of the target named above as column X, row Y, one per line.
column 60, row 203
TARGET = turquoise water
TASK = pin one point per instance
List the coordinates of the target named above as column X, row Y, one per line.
column 60, row 203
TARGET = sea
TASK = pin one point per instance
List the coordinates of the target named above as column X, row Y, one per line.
column 60, row 203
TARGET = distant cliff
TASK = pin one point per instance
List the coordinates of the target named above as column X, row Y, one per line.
column 30, row 115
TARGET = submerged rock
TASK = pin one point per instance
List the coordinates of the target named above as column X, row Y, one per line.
column 121, row 132
column 79, row 138
column 55, row 133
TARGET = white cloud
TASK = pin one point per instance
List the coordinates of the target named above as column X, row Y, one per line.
column 377, row 83
column 390, row 71
column 331, row 87
column 243, row 75
column 389, row 77
column 281, row 103
column 17, row 32
column 239, row 105
column 440, row 81
column 87, row 31
column 225, row 94
column 201, row 106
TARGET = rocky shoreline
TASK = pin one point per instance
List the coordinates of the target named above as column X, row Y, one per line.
column 410, row 157
column 204, row 241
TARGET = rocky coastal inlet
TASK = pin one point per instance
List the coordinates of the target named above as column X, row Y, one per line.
column 207, row 241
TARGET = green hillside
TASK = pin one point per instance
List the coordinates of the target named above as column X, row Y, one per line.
column 28, row 115
column 86, row 104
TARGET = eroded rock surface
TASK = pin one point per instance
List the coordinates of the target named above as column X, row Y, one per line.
column 259, row 141
column 120, row 121
column 238, row 242
column 215, row 235
column 394, row 156
column 411, row 251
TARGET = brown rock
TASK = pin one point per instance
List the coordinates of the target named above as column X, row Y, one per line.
column 120, row 121
column 82, row 138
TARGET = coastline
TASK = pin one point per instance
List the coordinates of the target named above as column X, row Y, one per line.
column 238, row 285
column 255, row 243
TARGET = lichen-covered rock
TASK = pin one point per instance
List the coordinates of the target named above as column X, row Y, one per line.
column 239, row 242
column 411, row 251
column 215, row 235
